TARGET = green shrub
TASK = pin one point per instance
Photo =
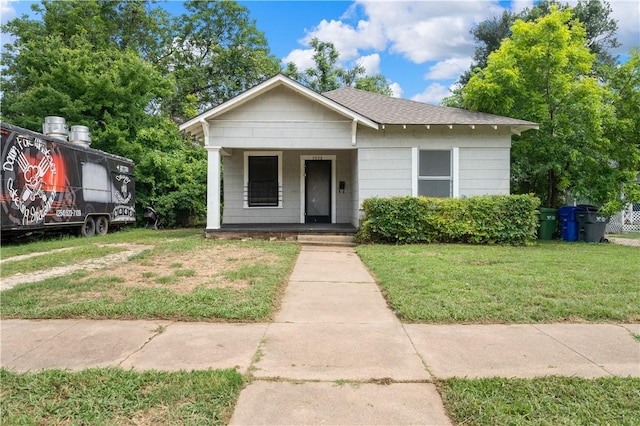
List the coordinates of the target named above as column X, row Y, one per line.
column 492, row 219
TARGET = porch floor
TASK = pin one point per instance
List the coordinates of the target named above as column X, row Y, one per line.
column 279, row 230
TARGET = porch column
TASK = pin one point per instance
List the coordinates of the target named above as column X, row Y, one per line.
column 213, row 187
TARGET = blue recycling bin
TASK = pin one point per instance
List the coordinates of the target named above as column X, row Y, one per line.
column 569, row 223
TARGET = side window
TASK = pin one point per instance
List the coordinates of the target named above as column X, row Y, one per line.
column 262, row 174
column 435, row 177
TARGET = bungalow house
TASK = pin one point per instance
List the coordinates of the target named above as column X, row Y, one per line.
column 290, row 155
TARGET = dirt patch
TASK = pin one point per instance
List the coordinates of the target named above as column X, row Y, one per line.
column 30, row 255
column 218, row 266
column 91, row 264
column 635, row 242
column 182, row 273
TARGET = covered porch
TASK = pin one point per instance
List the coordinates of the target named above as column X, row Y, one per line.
column 282, row 191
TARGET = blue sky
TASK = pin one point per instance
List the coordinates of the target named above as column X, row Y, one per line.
column 421, row 47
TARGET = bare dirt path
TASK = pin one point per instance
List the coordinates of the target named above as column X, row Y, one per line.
column 625, row 241
column 91, row 264
column 30, row 255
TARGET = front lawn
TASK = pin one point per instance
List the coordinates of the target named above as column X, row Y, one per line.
column 115, row 396
column 543, row 401
column 175, row 275
column 548, row 282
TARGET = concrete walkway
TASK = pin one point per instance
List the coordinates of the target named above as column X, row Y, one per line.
column 335, row 353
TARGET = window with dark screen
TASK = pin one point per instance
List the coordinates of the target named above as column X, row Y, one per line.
column 262, row 181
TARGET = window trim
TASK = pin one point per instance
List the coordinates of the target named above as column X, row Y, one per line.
column 248, row 154
column 454, row 177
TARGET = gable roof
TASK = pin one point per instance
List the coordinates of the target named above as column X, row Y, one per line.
column 366, row 108
column 387, row 110
column 194, row 126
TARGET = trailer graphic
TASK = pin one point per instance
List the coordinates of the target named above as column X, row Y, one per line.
column 48, row 183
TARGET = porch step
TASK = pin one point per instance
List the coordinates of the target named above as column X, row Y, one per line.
column 326, row 240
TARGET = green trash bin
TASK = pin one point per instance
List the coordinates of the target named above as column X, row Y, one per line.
column 548, row 223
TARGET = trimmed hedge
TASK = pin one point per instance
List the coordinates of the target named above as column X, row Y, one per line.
column 491, row 219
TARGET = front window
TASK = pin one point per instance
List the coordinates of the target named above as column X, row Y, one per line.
column 434, row 173
column 263, row 172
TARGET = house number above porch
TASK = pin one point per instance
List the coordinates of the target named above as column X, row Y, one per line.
column 317, row 157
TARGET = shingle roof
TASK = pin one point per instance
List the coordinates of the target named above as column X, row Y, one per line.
column 387, row 110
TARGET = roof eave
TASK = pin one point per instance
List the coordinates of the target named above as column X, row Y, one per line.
column 518, row 129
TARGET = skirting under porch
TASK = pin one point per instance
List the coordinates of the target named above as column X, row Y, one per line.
column 280, row 231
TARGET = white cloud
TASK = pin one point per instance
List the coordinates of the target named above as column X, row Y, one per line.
column 519, row 5
column 371, row 63
column 396, row 90
column 448, row 69
column 627, row 13
column 303, row 58
column 347, row 39
column 420, row 31
column 7, row 11
column 429, row 30
column 433, row 94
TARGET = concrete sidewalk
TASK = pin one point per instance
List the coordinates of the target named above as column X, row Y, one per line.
column 335, row 353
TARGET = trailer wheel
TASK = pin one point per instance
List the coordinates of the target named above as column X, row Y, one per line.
column 89, row 227
column 102, row 226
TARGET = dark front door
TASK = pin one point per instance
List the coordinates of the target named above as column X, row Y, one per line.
column 317, row 191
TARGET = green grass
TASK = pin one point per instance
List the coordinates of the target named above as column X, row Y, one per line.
column 128, row 235
column 480, row 284
column 543, row 401
column 57, row 259
column 80, row 295
column 185, row 272
column 114, row 396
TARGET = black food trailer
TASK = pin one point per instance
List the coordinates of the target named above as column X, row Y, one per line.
column 48, row 183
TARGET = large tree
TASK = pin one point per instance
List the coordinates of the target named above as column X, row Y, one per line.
column 625, row 129
column 328, row 75
column 216, row 53
column 129, row 71
column 543, row 73
column 595, row 15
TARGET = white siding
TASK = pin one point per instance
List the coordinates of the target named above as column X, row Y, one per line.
column 379, row 165
column 385, row 166
column 384, row 172
column 235, row 212
column 484, row 171
column 437, row 137
column 281, row 119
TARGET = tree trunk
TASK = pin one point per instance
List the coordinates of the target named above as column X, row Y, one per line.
column 552, row 190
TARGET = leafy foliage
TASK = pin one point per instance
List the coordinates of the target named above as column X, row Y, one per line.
column 130, row 72
column 593, row 14
column 543, row 73
column 327, row 75
column 475, row 220
column 216, row 52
